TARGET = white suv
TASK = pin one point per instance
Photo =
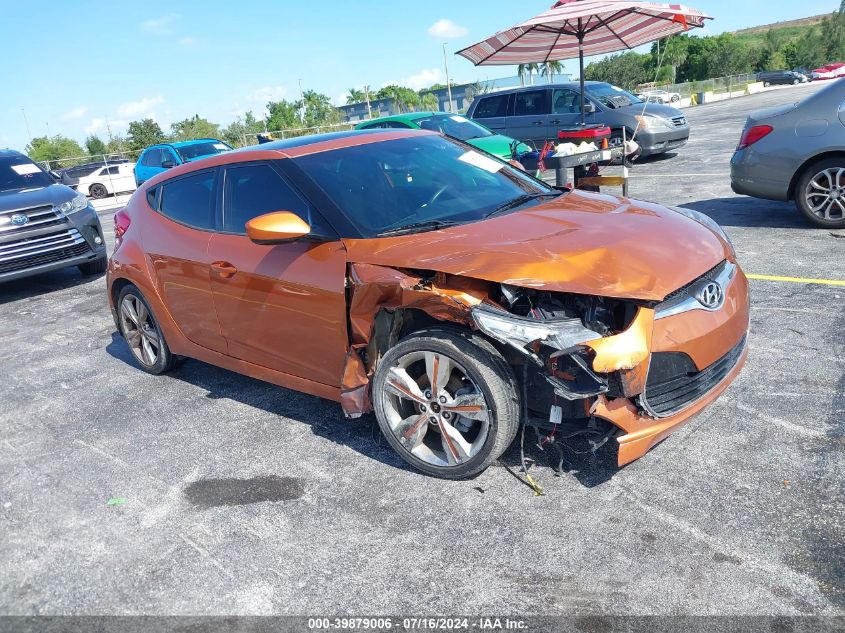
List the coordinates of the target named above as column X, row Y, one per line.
column 108, row 180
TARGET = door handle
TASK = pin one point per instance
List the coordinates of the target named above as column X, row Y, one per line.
column 556, row 121
column 224, row 269
column 537, row 123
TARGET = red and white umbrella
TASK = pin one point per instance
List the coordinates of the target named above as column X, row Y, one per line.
column 579, row 28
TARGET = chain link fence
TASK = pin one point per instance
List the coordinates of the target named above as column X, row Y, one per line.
column 720, row 85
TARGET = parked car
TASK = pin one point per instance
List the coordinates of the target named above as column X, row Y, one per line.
column 455, row 126
column 804, row 73
column 659, row 96
column 106, row 181
column 70, row 175
column 44, row 225
column 536, row 113
column 157, row 158
column 797, row 152
column 407, row 272
column 779, row 77
column 829, row 71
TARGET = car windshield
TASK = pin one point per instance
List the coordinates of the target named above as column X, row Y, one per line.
column 611, row 96
column 206, row 148
column 418, row 183
column 18, row 172
column 456, row 126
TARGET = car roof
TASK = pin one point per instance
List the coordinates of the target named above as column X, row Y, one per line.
column 9, row 153
column 185, row 143
column 290, row 148
column 572, row 85
column 408, row 116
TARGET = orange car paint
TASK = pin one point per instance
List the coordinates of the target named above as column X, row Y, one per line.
column 298, row 314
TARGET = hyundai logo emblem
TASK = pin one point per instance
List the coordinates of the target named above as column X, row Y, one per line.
column 19, row 219
column 710, row 295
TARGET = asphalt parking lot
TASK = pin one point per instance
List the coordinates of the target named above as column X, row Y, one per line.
column 117, row 492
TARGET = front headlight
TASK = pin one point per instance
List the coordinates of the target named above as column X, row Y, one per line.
column 707, row 221
column 77, row 203
column 520, row 331
column 651, row 122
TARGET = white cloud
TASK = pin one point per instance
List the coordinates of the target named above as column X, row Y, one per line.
column 423, row 79
column 159, row 26
column 188, row 41
column 445, row 29
column 142, row 107
column 267, row 93
column 73, row 115
column 96, row 125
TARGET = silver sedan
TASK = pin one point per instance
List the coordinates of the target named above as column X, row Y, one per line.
column 797, row 152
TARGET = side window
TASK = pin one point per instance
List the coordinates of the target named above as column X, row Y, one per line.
column 113, row 171
column 253, row 190
column 152, row 158
column 151, row 198
column 530, row 103
column 190, row 200
column 168, row 154
column 565, row 102
column 490, row 107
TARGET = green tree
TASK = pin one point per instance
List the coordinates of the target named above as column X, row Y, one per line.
column 53, row 148
column 283, row 115
column 527, row 69
column 144, row 133
column 404, row 99
column 194, row 127
column 242, row 131
column 775, row 61
column 550, row 69
column 355, row 96
column 116, row 144
column 428, row 101
column 790, row 54
column 319, row 109
column 95, row 145
column 626, row 70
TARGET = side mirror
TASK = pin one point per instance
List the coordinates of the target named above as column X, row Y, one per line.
column 589, row 107
column 56, row 176
column 276, row 228
column 167, row 164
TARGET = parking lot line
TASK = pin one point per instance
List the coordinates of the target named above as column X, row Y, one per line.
column 798, row 280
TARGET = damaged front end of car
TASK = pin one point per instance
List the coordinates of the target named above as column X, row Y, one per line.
column 572, row 354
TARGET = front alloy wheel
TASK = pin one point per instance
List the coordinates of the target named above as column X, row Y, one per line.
column 820, row 194
column 447, row 405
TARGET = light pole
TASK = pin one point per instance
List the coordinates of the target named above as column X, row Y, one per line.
column 26, row 121
column 301, row 104
column 448, row 83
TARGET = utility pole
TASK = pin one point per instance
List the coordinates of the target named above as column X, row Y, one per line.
column 367, row 97
column 448, row 83
column 26, row 121
column 302, row 104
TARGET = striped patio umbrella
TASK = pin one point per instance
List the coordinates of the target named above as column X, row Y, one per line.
column 579, row 28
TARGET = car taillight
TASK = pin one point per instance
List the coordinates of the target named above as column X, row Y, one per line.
column 121, row 224
column 754, row 134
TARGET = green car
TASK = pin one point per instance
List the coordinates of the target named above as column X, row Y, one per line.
column 455, row 126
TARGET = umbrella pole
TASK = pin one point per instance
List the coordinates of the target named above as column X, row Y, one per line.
column 581, row 72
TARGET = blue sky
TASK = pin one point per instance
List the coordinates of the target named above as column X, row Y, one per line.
column 73, row 66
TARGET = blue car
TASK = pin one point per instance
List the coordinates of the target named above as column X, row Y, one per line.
column 156, row 158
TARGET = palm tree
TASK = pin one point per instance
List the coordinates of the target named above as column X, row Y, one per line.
column 529, row 69
column 355, row 96
column 550, row 69
column 428, row 101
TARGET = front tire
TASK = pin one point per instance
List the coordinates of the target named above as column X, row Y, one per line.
column 820, row 193
column 447, row 402
column 140, row 329
column 98, row 191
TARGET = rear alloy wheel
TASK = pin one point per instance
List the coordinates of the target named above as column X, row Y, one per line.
column 820, row 193
column 141, row 332
column 675, row 98
column 98, row 191
column 766, row 84
column 446, row 402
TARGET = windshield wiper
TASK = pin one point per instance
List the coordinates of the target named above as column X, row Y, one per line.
column 518, row 202
column 418, row 227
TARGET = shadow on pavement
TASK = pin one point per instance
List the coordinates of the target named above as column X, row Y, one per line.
column 44, row 283
column 750, row 212
column 363, row 435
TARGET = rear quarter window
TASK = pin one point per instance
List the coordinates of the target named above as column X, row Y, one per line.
column 190, row 200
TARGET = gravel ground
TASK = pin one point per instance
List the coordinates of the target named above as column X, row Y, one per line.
column 119, row 491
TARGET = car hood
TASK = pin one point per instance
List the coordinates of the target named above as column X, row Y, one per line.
column 656, row 109
column 498, row 145
column 580, row 242
column 27, row 198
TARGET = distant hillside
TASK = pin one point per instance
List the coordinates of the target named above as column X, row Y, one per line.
column 787, row 24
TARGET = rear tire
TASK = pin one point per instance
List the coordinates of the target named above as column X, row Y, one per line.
column 820, row 191
column 675, row 99
column 468, row 423
column 97, row 267
column 140, row 330
column 766, row 84
column 98, row 191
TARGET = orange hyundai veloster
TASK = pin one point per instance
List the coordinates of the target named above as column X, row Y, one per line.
column 451, row 293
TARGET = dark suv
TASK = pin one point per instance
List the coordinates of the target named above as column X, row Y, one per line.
column 44, row 225
column 783, row 77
